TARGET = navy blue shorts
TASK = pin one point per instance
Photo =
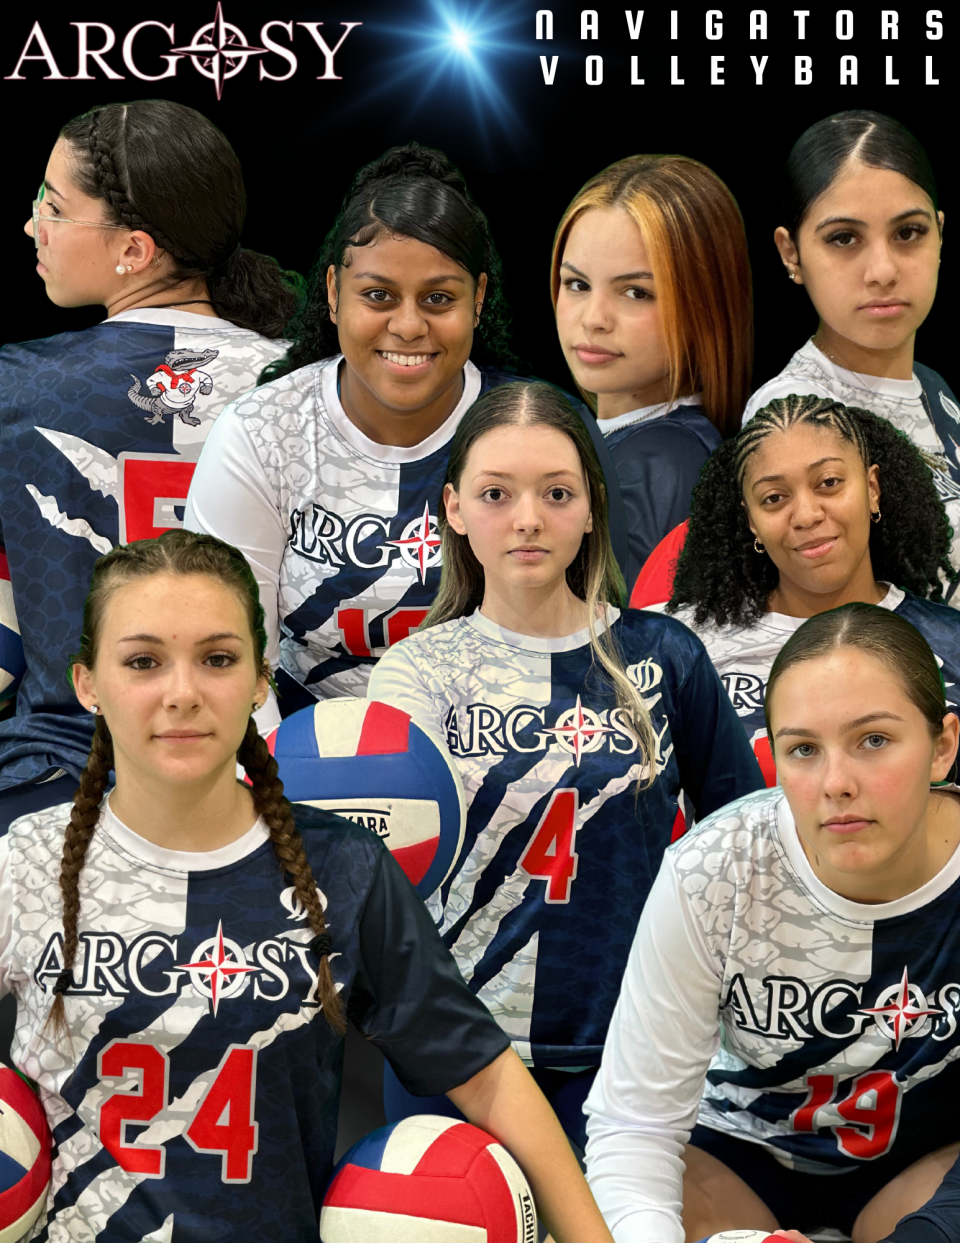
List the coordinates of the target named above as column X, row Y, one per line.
column 801, row 1201
column 565, row 1091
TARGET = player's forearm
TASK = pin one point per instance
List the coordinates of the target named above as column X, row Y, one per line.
column 504, row 1100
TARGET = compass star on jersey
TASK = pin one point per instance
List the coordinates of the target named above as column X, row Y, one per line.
column 422, row 542
column 219, row 961
column 900, row 1011
column 580, row 732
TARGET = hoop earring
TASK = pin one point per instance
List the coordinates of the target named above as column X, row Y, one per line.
column 875, row 516
column 757, row 546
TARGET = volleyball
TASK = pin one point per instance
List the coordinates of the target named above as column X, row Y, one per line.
column 370, row 762
column 24, row 1156
column 428, row 1180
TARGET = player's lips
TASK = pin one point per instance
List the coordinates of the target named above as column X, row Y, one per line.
column 182, row 735
column 818, row 547
column 846, row 824
column 594, row 355
column 407, row 364
column 528, row 552
column 884, row 308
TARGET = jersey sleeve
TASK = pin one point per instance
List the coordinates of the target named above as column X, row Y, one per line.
column 231, row 497
column 396, row 680
column 716, row 761
column 938, row 1221
column 658, row 466
column 409, row 997
column 644, row 1100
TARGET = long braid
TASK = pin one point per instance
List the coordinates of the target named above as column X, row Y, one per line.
column 83, row 820
column 269, row 801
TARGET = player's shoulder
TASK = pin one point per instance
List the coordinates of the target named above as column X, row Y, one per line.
column 287, row 400
column 802, row 375
column 680, row 429
column 937, row 390
column 337, row 845
column 650, row 630
column 39, row 834
column 930, row 616
column 438, row 645
column 742, row 831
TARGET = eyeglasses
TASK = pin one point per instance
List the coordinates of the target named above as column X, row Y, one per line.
column 38, row 216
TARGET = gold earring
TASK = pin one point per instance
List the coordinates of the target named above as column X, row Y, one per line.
column 875, row 516
column 757, row 546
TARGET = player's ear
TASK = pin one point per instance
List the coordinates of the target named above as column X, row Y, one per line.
column 451, row 502
column 333, row 294
column 83, row 685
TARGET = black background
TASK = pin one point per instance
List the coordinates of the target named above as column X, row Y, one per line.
column 300, row 141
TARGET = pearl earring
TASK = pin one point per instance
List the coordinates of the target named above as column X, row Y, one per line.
column 94, row 708
column 120, row 269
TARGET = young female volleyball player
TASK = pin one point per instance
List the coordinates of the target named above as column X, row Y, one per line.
column 328, row 477
column 140, row 210
column 861, row 233
column 789, row 1009
column 202, row 940
column 651, row 287
column 574, row 725
column 813, row 505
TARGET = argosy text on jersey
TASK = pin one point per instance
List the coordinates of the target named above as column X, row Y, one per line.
column 158, row 965
column 365, row 540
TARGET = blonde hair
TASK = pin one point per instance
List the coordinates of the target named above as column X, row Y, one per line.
column 593, row 576
column 694, row 236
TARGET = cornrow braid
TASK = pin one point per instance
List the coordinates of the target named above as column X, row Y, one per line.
column 269, row 801
column 83, row 820
column 728, row 583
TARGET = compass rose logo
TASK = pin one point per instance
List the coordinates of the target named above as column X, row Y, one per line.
column 219, row 969
column 579, row 730
column 420, row 542
column 898, row 1008
column 219, row 50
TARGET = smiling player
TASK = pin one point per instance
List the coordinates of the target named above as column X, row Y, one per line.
column 787, row 1032
column 328, row 478
column 862, row 234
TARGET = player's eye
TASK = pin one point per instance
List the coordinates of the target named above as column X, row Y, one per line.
column 910, row 232
column 377, row 295
column 142, row 661
column 803, row 751
column 222, row 660
column 832, row 481
column 575, row 284
column 438, row 298
column 874, row 742
column 493, row 494
column 842, row 239
column 639, row 294
column 772, row 498
column 559, row 494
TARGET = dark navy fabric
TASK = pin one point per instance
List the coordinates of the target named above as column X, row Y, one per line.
column 658, row 464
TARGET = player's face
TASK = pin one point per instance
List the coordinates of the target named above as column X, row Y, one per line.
column 869, row 250
column 856, row 758
column 523, row 504
column 76, row 263
column 405, row 316
column 809, row 498
column 608, row 317
column 175, row 678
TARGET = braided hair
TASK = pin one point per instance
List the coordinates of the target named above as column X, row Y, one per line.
column 125, row 155
column 721, row 575
column 415, row 192
column 183, row 552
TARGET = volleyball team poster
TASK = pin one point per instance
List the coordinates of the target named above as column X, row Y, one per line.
column 528, row 101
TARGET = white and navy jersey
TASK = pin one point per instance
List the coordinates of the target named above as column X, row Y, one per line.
column 560, row 851
column 196, row 1097
column 341, row 531
column 658, row 453
column 758, row 1002
column 99, row 435
column 744, row 655
column 923, row 408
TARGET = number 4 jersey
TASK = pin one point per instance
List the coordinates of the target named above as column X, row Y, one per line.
column 195, row 1099
column 560, row 848
column 100, row 431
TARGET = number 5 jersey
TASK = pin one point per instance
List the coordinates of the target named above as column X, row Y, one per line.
column 560, row 849
column 100, row 432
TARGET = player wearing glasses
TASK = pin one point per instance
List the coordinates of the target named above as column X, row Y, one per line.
column 100, row 429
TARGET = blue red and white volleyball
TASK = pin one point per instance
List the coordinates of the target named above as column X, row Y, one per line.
column 24, row 1156
column 745, row 1236
column 428, row 1180
column 370, row 762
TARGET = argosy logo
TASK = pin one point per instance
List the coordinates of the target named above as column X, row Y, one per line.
column 319, row 535
column 218, row 50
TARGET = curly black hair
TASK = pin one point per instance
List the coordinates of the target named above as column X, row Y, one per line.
column 727, row 582
column 409, row 191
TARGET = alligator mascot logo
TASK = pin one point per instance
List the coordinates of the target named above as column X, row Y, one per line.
column 175, row 386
